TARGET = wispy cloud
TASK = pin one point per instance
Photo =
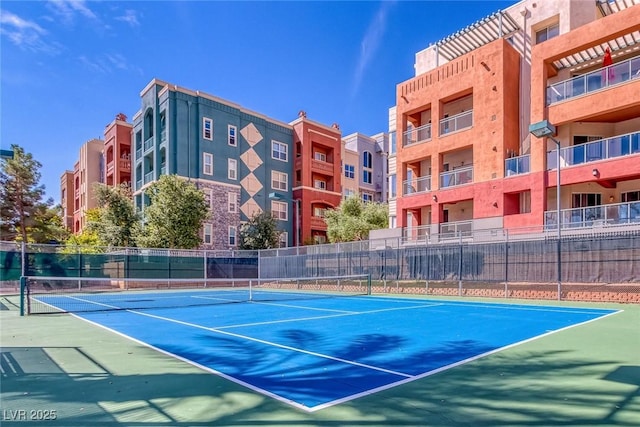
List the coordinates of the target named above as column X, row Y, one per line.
column 108, row 63
column 27, row 35
column 370, row 44
column 67, row 10
column 130, row 17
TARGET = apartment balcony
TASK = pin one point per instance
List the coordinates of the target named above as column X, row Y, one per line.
column 77, row 194
column 456, row 177
column 417, row 185
column 603, row 149
column 417, row 135
column 318, row 223
column 124, row 165
column 163, row 170
column 163, row 136
column 148, row 144
column 148, row 177
column 517, row 165
column 603, row 78
column 421, row 232
column 110, row 168
column 139, row 153
column 138, row 184
column 456, row 123
column 324, row 168
column 602, row 215
column 456, row 229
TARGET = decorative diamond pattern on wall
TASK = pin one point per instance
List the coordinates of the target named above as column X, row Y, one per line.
column 252, row 161
column 250, row 207
column 251, row 134
column 251, row 184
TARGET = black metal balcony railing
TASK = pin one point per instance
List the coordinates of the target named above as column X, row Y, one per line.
column 607, row 76
column 617, row 146
column 613, row 214
column 517, row 165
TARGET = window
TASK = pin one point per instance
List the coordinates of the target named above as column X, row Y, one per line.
column 320, row 156
column 319, row 239
column 232, row 236
column 207, row 163
column 392, row 222
column 366, row 197
column 350, row 171
column 392, row 142
column 207, row 128
column 392, row 186
column 208, row 234
column 279, row 151
column 232, row 202
column 232, row 169
column 279, row 210
column 547, row 33
column 279, row 180
column 367, row 163
column 319, row 184
column 367, row 160
column 631, row 196
column 283, row 239
column 231, row 135
column 348, row 192
column 319, row 212
column 208, row 197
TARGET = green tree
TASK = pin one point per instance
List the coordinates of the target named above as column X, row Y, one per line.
column 353, row 219
column 23, row 212
column 88, row 240
column 48, row 225
column 175, row 216
column 260, row 232
column 117, row 222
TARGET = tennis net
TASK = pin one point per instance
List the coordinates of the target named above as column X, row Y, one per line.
column 41, row 295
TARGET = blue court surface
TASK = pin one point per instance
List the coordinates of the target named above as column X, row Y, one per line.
column 314, row 353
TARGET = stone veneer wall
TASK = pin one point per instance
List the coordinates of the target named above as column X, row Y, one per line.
column 219, row 215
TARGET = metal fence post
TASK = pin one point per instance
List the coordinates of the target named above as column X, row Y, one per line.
column 506, row 265
column 460, row 267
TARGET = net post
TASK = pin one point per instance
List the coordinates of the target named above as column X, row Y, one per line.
column 369, row 284
column 23, row 285
column 250, row 289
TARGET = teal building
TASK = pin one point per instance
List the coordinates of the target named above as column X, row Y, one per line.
column 240, row 159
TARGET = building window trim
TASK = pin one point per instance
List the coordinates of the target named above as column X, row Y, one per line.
column 232, row 202
column 207, row 128
column 207, row 164
column 233, row 235
column 232, row 172
column 279, row 180
column 207, row 234
column 232, row 133
column 280, row 210
column 279, row 151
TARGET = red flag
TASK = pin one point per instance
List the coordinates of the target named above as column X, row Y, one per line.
column 607, row 62
column 607, row 58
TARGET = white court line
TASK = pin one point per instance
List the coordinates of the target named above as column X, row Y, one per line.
column 304, row 307
column 408, row 378
column 300, row 319
column 452, row 365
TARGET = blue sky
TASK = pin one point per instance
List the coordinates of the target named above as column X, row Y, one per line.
column 68, row 67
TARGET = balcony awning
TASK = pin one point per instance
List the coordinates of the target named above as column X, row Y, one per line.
column 609, row 7
column 589, row 57
column 495, row 26
column 594, row 54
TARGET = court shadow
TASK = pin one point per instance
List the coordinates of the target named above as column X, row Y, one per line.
column 515, row 390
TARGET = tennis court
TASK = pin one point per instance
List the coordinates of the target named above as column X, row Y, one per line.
column 313, row 350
